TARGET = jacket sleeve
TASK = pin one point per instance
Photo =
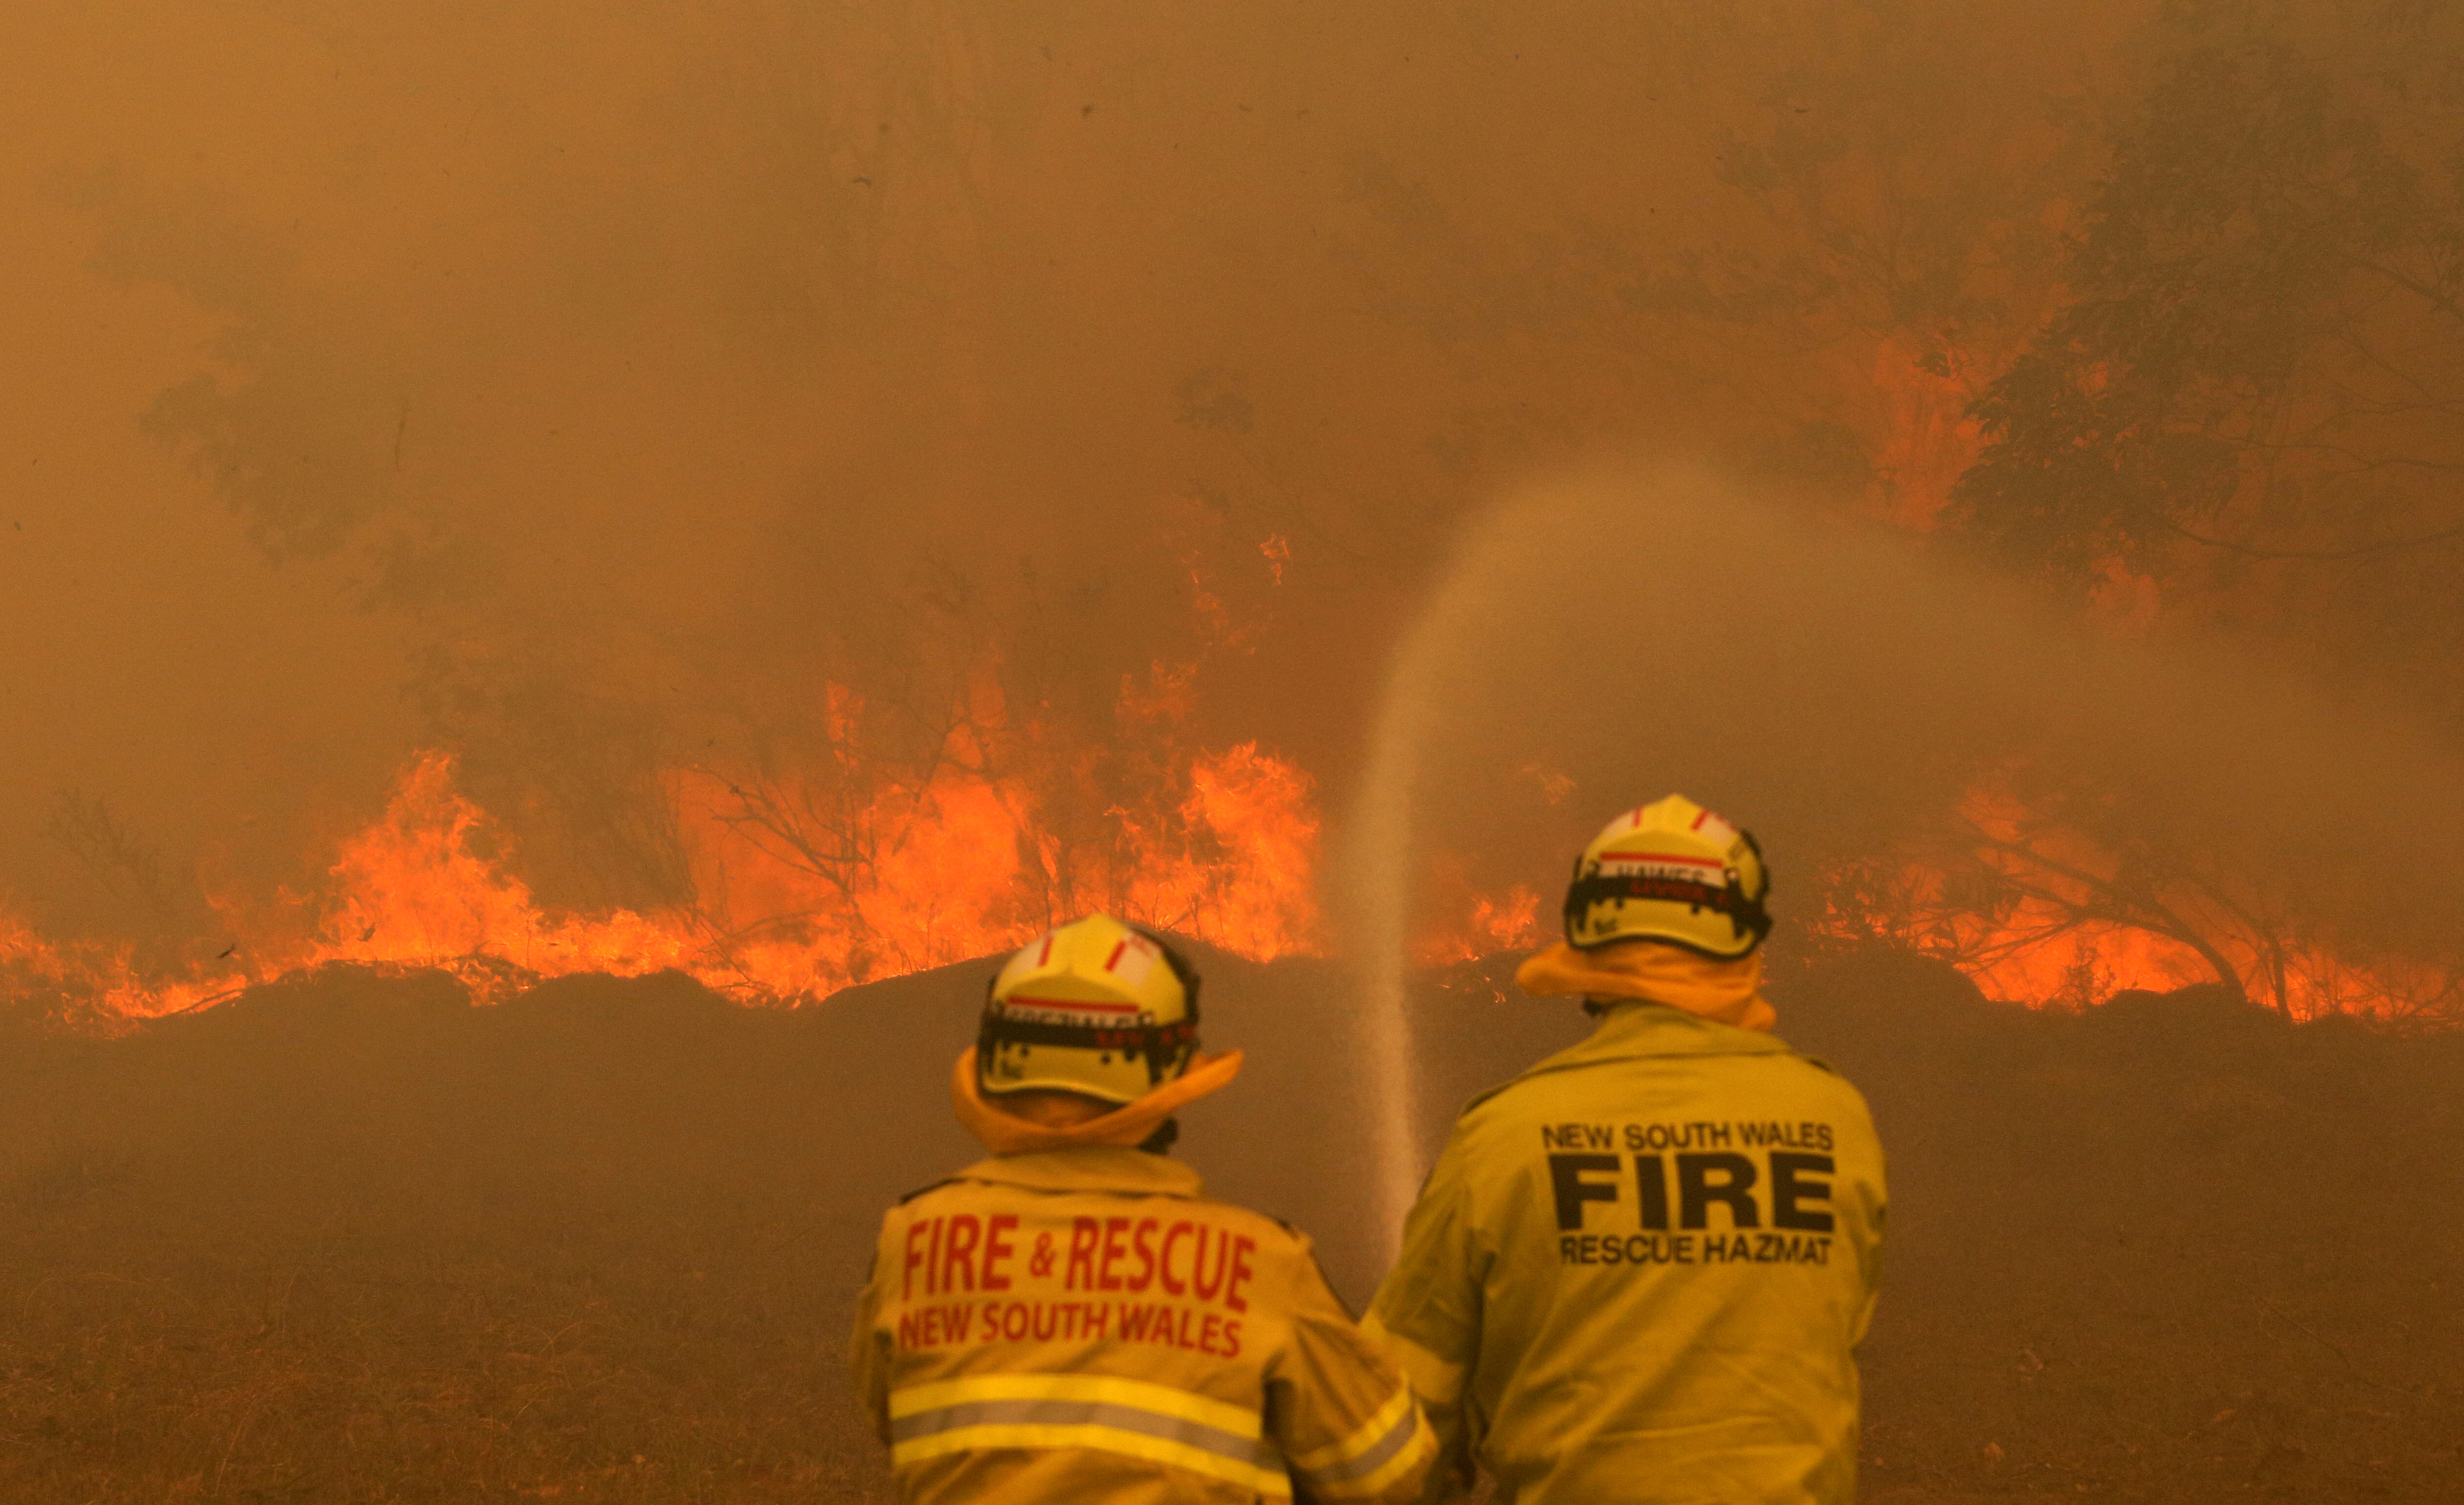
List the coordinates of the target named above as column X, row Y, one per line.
column 868, row 1348
column 1426, row 1317
column 1871, row 1208
column 1343, row 1417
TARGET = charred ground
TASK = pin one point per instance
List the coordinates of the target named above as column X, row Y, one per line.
column 348, row 1238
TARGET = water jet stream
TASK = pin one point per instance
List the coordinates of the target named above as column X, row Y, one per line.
column 1835, row 686
column 1381, row 863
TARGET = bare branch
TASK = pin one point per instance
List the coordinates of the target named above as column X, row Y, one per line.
column 2435, row 297
column 2358, row 551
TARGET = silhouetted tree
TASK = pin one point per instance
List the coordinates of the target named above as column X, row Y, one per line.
column 2251, row 396
column 2263, row 353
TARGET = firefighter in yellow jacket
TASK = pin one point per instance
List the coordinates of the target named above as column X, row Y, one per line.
column 1071, row 1319
column 1639, row 1268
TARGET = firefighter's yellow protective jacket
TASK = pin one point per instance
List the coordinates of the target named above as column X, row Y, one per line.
column 1638, row 1270
column 1083, row 1325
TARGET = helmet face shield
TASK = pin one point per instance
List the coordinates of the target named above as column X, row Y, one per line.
column 1674, row 873
column 1096, row 1008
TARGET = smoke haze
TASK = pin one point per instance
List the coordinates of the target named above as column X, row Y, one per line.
column 672, row 424
column 1837, row 687
column 583, row 388
column 587, row 390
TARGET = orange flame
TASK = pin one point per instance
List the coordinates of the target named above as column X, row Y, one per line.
column 1927, row 437
column 2038, row 915
column 1474, row 923
column 797, row 893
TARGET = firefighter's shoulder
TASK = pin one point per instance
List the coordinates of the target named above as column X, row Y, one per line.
column 1813, row 1075
column 1528, row 1092
column 1269, row 1230
column 928, row 1189
column 1283, row 1244
column 1542, row 1080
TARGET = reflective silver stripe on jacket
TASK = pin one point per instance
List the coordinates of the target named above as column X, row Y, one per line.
column 1162, row 1424
column 1090, row 1414
column 1375, row 1456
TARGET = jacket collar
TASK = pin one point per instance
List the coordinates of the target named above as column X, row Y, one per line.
column 1089, row 1167
column 1639, row 1030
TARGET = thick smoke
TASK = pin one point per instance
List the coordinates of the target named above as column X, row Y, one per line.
column 1837, row 688
column 586, row 388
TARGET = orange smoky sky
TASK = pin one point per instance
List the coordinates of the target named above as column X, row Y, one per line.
column 587, row 386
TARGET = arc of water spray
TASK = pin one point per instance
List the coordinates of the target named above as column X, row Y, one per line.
column 1381, row 867
column 1850, row 697
column 1382, row 859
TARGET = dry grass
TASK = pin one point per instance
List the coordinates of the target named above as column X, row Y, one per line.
column 352, row 1240
column 401, row 1258
column 2170, row 1250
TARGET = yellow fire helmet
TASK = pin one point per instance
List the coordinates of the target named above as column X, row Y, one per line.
column 1096, row 1008
column 1671, row 871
